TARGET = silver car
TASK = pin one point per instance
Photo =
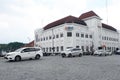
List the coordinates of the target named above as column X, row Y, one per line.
column 102, row 52
column 72, row 52
column 99, row 52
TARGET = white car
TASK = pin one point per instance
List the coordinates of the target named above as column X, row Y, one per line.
column 102, row 52
column 99, row 52
column 108, row 52
column 24, row 53
column 72, row 52
column 117, row 52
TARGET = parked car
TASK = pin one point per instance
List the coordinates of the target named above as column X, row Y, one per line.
column 3, row 53
column 87, row 53
column 108, row 52
column 25, row 53
column 72, row 52
column 102, row 52
column 99, row 52
column 117, row 52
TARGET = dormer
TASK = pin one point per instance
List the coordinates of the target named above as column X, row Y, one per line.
column 92, row 19
column 89, row 15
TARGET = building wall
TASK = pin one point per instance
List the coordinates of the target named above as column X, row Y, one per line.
column 87, row 37
column 64, row 42
column 110, row 39
column 99, row 34
column 94, row 24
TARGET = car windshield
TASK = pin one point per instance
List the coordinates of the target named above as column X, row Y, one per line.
column 99, row 50
column 108, row 51
column 18, row 50
column 68, row 49
column 118, row 50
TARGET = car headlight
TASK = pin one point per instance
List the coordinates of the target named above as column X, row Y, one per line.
column 9, row 54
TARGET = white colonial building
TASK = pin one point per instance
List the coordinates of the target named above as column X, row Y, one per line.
column 86, row 32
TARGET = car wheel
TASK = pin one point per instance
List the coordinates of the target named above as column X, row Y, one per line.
column 63, row 55
column 70, row 55
column 17, row 58
column 37, row 56
column 80, row 55
column 100, row 54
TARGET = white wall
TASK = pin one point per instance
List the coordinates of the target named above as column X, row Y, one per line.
column 94, row 28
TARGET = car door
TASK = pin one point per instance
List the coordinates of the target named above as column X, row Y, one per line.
column 78, row 51
column 74, row 52
column 25, row 53
column 32, row 52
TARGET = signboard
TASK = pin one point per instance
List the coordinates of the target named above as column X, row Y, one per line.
column 69, row 28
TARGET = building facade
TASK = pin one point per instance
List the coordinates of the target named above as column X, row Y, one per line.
column 86, row 32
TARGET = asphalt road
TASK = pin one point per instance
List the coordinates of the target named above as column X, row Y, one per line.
column 58, row 68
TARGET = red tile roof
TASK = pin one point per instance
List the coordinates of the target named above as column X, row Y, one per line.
column 68, row 19
column 72, row 19
column 31, row 44
column 88, row 14
column 108, row 27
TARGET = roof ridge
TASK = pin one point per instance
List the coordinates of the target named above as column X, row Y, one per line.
column 67, row 19
column 108, row 27
column 88, row 14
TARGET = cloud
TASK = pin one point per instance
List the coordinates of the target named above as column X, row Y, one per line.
column 110, row 13
column 19, row 18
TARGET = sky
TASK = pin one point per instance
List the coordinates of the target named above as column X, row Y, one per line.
column 20, row 18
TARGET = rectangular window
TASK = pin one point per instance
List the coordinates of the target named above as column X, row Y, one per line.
column 46, row 38
column 82, row 35
column 61, row 35
column 82, row 48
column 46, row 49
column 50, row 49
column 91, row 36
column 53, row 36
column 110, row 38
column 53, row 48
column 91, row 48
column 43, row 49
column 105, row 38
column 77, row 46
column 57, row 36
column 49, row 37
column 61, row 48
column 69, row 34
column 57, row 49
column 86, row 36
column 41, row 39
column 77, row 34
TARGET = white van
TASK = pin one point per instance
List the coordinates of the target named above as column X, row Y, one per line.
column 72, row 52
column 24, row 53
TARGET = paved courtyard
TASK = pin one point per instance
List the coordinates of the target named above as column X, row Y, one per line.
column 58, row 68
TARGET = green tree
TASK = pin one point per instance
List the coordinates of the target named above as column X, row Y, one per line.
column 3, row 47
column 13, row 46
